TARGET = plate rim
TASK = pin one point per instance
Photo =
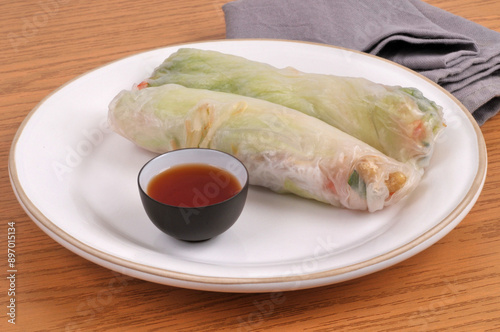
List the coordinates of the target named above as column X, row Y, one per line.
column 465, row 204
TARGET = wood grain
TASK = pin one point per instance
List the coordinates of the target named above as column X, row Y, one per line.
column 453, row 285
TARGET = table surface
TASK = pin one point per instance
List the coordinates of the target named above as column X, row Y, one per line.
column 454, row 284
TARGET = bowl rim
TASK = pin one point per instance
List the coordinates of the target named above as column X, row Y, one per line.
column 244, row 186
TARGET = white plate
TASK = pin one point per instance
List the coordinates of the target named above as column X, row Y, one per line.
column 77, row 181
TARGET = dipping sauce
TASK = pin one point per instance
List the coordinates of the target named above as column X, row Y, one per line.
column 193, row 185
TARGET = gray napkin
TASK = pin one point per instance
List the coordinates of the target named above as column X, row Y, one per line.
column 461, row 56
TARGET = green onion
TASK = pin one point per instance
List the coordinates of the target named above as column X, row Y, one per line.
column 357, row 184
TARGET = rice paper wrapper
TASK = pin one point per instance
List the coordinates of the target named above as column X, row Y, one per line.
column 283, row 149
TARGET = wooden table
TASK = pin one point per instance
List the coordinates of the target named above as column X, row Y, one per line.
column 455, row 284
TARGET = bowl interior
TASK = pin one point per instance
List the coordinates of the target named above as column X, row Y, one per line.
column 192, row 156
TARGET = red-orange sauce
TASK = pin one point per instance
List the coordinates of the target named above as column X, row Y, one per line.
column 193, row 185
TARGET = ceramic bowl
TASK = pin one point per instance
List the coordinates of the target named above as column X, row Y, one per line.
column 198, row 223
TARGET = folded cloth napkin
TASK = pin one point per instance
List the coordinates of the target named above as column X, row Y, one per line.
column 461, row 56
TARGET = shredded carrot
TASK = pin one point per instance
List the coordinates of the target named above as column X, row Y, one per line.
column 331, row 186
column 418, row 130
column 142, row 85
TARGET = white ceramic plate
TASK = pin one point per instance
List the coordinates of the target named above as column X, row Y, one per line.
column 77, row 181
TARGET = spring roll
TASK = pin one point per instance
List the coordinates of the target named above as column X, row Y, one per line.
column 397, row 121
column 283, row 149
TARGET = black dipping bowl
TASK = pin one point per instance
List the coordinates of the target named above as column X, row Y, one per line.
column 194, row 223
